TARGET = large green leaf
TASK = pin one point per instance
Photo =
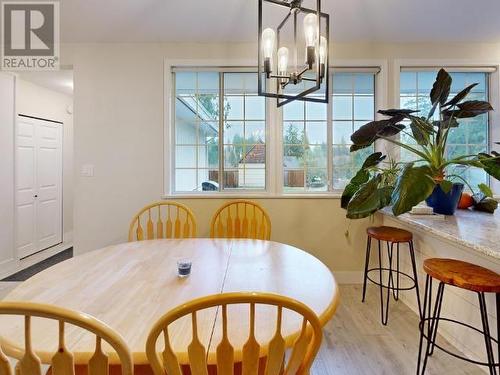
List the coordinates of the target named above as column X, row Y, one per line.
column 486, row 190
column 421, row 130
column 373, row 160
column 446, row 186
column 491, row 163
column 353, row 186
column 422, row 123
column 447, row 122
column 386, row 195
column 460, row 96
column 361, row 177
column 441, row 88
column 366, row 201
column 414, row 185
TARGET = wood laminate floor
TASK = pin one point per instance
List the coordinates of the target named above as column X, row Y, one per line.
column 356, row 343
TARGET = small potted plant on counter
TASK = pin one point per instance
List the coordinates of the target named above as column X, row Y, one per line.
column 428, row 177
column 480, row 201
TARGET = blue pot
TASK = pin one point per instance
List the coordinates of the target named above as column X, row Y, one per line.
column 445, row 203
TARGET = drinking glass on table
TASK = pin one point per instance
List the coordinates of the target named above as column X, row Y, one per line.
column 184, row 267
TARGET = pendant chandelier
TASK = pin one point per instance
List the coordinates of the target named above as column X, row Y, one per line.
column 293, row 57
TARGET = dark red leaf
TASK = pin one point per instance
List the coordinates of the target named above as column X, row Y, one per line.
column 460, row 96
column 441, row 88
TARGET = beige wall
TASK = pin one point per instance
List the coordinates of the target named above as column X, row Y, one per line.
column 315, row 225
column 119, row 101
column 34, row 100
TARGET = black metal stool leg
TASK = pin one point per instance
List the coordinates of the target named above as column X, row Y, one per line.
column 417, row 288
column 486, row 333
column 384, row 315
column 395, row 292
column 390, row 253
column 390, row 282
column 428, row 285
column 437, row 315
column 432, row 320
column 367, row 263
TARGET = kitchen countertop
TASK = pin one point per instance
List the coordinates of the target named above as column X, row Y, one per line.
column 477, row 230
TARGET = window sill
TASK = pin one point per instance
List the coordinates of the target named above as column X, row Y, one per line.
column 332, row 195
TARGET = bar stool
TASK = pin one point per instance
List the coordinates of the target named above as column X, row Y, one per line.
column 392, row 236
column 465, row 276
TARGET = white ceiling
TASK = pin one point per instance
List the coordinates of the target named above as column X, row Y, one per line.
column 236, row 20
column 60, row 80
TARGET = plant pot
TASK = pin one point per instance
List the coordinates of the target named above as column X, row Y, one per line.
column 445, row 203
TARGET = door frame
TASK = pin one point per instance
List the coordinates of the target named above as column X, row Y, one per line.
column 17, row 115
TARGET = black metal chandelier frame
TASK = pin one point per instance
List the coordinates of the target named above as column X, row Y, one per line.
column 296, row 77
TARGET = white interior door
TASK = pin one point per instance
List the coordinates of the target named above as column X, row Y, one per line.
column 38, row 185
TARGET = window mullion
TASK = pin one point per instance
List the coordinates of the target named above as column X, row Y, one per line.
column 197, row 132
column 173, row 141
column 272, row 148
column 221, row 131
column 279, row 180
column 329, row 135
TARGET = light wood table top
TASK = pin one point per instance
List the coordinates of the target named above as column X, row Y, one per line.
column 129, row 286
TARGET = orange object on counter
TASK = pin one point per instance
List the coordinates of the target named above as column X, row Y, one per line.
column 466, row 201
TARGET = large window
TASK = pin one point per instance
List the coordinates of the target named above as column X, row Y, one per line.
column 244, row 129
column 353, row 105
column 305, row 150
column 309, row 163
column 220, row 132
column 471, row 137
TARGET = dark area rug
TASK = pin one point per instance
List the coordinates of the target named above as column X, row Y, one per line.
column 44, row 264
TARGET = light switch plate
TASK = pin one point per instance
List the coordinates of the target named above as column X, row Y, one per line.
column 87, row 170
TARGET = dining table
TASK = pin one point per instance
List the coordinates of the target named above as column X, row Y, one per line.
column 130, row 286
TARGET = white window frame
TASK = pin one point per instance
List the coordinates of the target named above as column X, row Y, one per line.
column 274, row 131
column 458, row 65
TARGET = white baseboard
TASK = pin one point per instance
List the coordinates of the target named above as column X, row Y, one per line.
column 348, row 277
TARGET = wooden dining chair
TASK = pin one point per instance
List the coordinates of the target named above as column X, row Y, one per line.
column 62, row 362
column 241, row 219
column 164, row 219
column 304, row 347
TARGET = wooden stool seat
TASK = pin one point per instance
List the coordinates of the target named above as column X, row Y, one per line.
column 463, row 275
column 466, row 276
column 389, row 234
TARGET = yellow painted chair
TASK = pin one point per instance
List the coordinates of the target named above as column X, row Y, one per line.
column 241, row 219
column 165, row 219
column 62, row 362
column 250, row 356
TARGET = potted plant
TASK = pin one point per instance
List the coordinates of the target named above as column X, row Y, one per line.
column 427, row 177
